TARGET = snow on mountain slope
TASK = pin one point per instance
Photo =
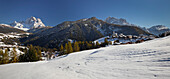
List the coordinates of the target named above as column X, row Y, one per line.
column 5, row 25
column 158, row 29
column 148, row 60
column 30, row 23
column 114, row 20
column 5, row 28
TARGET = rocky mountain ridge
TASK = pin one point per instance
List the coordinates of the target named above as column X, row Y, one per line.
column 29, row 23
column 157, row 29
column 81, row 30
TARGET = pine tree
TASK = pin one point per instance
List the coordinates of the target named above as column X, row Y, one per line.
column 1, row 57
column 97, row 44
column 110, row 42
column 80, row 45
column 23, row 57
column 39, row 54
column 106, row 41
column 76, row 46
column 93, row 45
column 89, row 45
column 83, row 46
column 6, row 57
column 61, row 48
column 70, row 49
column 36, row 58
column 14, row 58
column 32, row 54
column 66, row 49
column 86, row 45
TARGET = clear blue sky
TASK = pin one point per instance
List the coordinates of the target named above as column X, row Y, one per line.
column 52, row 12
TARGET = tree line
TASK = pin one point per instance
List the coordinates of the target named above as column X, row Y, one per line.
column 31, row 53
column 81, row 45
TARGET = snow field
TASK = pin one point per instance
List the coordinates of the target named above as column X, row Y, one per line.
column 147, row 60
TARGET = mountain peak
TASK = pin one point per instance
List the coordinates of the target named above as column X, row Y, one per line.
column 29, row 23
column 93, row 18
column 31, row 19
column 114, row 20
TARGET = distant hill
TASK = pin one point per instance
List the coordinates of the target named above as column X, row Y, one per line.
column 157, row 29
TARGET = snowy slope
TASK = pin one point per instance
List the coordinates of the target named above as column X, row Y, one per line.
column 101, row 40
column 148, row 60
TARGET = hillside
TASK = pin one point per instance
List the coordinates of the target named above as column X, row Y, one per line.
column 158, row 29
column 81, row 30
column 148, row 60
column 8, row 29
column 36, row 30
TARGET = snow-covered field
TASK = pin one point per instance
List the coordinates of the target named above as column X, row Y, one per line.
column 147, row 60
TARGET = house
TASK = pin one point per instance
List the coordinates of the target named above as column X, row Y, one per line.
column 114, row 35
column 122, row 36
column 151, row 37
column 129, row 36
column 2, row 43
column 134, row 37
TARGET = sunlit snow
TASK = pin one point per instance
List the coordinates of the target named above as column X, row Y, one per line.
column 147, row 60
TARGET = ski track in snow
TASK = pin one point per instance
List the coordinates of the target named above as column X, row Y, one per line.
column 147, row 60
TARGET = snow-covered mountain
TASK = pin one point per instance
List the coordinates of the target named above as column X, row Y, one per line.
column 84, row 29
column 30, row 23
column 148, row 60
column 157, row 29
column 114, row 20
